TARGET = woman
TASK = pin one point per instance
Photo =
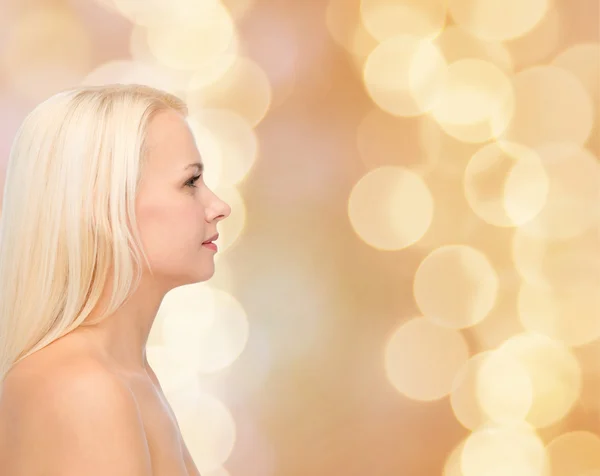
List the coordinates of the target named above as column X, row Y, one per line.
column 98, row 178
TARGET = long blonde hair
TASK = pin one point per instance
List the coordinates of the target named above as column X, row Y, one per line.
column 68, row 214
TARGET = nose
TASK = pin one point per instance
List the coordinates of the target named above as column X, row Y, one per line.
column 218, row 210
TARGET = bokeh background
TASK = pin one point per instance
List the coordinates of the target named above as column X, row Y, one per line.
column 409, row 281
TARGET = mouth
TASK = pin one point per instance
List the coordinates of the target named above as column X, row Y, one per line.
column 210, row 242
column 211, row 239
column 210, row 245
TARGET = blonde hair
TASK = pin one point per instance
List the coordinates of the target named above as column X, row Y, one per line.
column 68, row 215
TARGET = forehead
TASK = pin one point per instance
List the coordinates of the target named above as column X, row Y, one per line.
column 170, row 143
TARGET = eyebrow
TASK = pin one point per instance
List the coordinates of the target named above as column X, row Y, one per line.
column 199, row 165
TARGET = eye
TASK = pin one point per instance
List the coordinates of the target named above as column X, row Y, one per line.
column 192, row 181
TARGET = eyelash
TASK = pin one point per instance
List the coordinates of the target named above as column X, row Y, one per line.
column 192, row 181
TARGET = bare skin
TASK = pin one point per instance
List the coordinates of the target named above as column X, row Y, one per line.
column 174, row 218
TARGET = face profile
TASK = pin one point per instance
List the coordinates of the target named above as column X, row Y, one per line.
column 176, row 211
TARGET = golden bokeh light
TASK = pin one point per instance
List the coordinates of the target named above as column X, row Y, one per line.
column 194, row 39
column 152, row 13
column 571, row 205
column 194, row 335
column 492, row 387
column 211, row 72
column 345, row 26
column 538, row 44
column 476, row 93
column 128, row 71
column 45, row 42
column 554, row 373
column 568, row 313
column 172, row 375
column 231, row 91
column 576, row 453
column 238, row 9
column 207, row 427
column 390, row 208
column 385, row 19
column 505, row 184
column 147, row 13
column 551, row 105
column 553, row 263
column 582, row 61
column 456, row 44
column 235, row 140
column 422, row 359
column 404, row 75
column 210, row 149
column 498, row 20
column 453, row 463
column 455, row 286
column 514, row 450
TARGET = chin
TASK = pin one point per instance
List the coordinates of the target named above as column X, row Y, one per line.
column 205, row 275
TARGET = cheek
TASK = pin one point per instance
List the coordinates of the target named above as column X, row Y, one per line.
column 169, row 232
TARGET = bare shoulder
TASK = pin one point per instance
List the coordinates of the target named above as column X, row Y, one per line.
column 71, row 418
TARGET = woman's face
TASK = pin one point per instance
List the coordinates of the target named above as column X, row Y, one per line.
column 176, row 211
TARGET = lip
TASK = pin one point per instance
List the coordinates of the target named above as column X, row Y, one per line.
column 210, row 245
column 211, row 239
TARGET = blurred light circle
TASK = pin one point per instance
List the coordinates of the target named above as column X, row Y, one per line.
column 422, row 359
column 194, row 38
column 554, row 373
column 571, row 205
column 173, row 376
column 452, row 465
column 390, row 208
column 575, row 453
column 492, row 387
column 505, row 184
column 210, row 149
column 457, row 44
column 552, row 264
column 551, row 105
column 455, row 286
column 404, row 75
column 235, row 140
column 231, row 91
column 209, row 337
column 541, row 42
column 158, row 12
column 238, row 9
column 498, row 20
column 568, row 313
column 475, row 90
column 129, row 72
column 476, row 102
column 346, row 28
column 387, row 18
column 581, row 60
column 207, row 427
column 514, row 450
